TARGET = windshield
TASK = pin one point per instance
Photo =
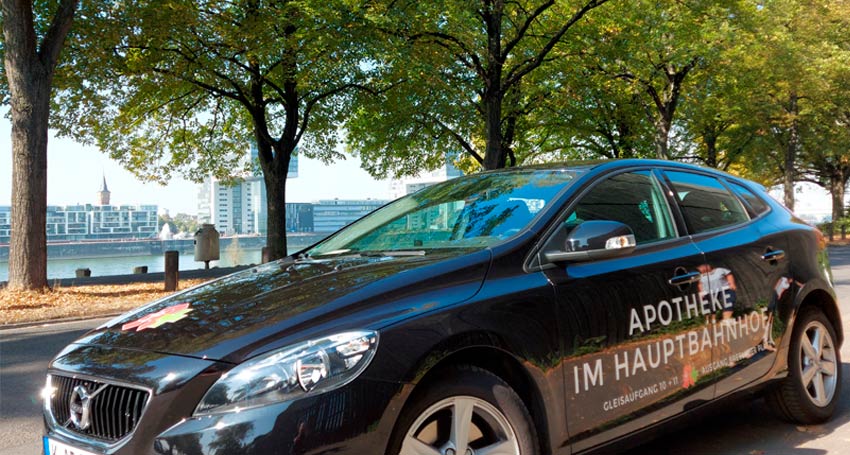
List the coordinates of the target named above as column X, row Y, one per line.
column 468, row 212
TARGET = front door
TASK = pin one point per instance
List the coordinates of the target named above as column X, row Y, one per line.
column 632, row 327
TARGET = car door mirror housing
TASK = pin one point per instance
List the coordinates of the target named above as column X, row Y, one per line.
column 597, row 239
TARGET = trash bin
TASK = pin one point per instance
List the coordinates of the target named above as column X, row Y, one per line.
column 206, row 244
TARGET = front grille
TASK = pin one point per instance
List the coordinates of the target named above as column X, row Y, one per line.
column 115, row 410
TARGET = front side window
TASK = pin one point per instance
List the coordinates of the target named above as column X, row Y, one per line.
column 706, row 204
column 474, row 211
column 634, row 199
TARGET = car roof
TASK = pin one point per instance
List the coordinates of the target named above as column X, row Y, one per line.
column 609, row 164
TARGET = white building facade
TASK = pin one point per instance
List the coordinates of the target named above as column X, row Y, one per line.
column 92, row 222
column 409, row 185
column 232, row 208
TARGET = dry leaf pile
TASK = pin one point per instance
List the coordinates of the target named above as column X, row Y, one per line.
column 79, row 301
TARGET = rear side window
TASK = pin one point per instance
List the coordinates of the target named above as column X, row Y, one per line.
column 756, row 204
column 706, row 204
column 634, row 199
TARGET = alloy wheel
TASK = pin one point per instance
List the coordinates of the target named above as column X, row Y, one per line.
column 818, row 363
column 461, row 425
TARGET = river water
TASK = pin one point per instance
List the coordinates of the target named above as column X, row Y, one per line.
column 102, row 266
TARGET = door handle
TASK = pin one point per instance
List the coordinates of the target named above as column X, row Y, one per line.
column 687, row 278
column 774, row 255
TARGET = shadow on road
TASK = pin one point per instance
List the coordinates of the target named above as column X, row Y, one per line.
column 25, row 359
column 749, row 427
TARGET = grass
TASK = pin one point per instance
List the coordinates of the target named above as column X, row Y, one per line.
column 79, row 301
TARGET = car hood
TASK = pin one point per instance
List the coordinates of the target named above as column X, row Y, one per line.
column 241, row 315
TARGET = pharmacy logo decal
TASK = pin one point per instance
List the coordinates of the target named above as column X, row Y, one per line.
column 163, row 316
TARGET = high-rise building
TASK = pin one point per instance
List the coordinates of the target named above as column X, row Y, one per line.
column 239, row 207
column 409, row 185
column 230, row 206
column 333, row 215
column 299, row 217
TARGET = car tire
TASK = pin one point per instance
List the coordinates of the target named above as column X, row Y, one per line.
column 497, row 417
column 809, row 394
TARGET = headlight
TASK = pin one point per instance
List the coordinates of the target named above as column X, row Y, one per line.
column 308, row 368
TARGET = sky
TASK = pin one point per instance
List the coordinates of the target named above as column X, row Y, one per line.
column 75, row 172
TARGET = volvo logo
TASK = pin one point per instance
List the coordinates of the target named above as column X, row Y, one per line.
column 80, row 406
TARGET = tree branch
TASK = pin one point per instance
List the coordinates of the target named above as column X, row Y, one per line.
column 55, row 37
column 509, row 46
column 445, row 37
column 210, row 88
column 463, row 142
column 518, row 72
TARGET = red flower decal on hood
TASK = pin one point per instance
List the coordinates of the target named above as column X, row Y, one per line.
column 163, row 316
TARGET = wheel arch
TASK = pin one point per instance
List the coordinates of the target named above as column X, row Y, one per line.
column 821, row 297
column 505, row 366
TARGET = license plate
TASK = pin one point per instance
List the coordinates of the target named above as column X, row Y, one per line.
column 52, row 447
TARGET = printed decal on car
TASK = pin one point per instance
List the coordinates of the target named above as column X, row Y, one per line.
column 163, row 316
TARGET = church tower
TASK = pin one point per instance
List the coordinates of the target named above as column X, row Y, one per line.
column 103, row 194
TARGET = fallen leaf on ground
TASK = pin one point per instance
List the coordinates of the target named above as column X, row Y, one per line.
column 79, row 301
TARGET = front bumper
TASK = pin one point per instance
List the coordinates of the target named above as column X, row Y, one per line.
column 357, row 418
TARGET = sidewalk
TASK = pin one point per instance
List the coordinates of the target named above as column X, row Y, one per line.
column 85, row 298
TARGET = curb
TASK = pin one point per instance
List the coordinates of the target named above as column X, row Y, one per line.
column 44, row 322
column 153, row 277
column 119, row 280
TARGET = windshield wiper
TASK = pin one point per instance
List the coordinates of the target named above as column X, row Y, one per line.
column 392, row 253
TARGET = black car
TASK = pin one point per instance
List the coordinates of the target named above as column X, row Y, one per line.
column 552, row 309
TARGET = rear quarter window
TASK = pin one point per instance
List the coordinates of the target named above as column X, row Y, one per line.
column 757, row 206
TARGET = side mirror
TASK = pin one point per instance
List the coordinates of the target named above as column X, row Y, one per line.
column 595, row 240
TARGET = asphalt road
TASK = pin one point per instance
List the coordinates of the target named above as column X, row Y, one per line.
column 743, row 428
column 24, row 354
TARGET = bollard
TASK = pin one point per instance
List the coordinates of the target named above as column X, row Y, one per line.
column 843, row 232
column 140, row 269
column 83, row 273
column 266, row 252
column 172, row 266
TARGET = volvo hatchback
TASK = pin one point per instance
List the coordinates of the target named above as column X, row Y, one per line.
column 543, row 310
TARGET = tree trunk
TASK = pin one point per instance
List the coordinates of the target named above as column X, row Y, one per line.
column 837, row 186
column 791, row 152
column 494, row 153
column 28, row 243
column 274, row 176
column 662, row 139
column 29, row 73
column 494, row 94
column 710, row 149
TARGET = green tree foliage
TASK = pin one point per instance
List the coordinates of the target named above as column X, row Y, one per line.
column 179, row 223
column 657, row 48
column 466, row 76
column 825, row 151
column 186, row 86
column 787, row 49
column 591, row 116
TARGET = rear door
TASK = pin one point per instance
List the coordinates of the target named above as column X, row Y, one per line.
column 745, row 279
column 628, row 351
